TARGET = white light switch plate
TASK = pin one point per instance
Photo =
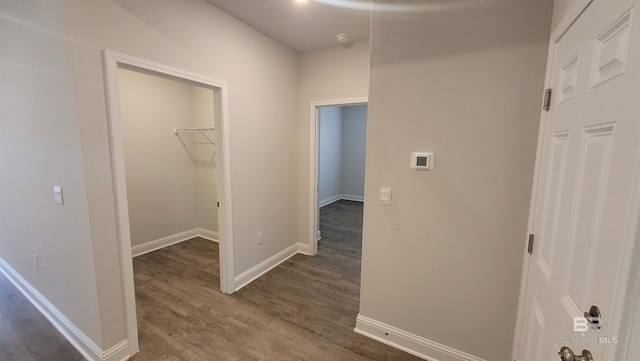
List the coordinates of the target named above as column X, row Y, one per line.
column 385, row 196
column 57, row 194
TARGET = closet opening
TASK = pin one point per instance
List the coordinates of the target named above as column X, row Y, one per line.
column 170, row 156
column 170, row 160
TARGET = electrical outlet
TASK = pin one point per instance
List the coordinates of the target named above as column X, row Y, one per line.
column 260, row 238
column 35, row 260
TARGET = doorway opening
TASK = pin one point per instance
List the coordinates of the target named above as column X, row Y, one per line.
column 327, row 183
column 341, row 164
column 204, row 142
column 170, row 160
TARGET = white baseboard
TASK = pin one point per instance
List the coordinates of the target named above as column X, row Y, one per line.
column 87, row 347
column 346, row 197
column 213, row 236
column 352, row 197
column 408, row 342
column 263, row 267
column 329, row 200
column 118, row 352
column 304, row 248
column 156, row 244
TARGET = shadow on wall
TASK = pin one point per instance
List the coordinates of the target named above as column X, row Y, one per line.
column 508, row 24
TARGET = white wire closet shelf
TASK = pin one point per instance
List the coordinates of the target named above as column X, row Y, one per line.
column 190, row 137
column 195, row 135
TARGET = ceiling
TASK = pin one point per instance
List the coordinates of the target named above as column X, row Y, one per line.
column 302, row 26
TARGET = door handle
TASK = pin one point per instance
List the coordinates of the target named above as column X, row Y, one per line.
column 594, row 317
column 566, row 354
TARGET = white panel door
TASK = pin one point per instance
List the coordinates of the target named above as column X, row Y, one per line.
column 586, row 186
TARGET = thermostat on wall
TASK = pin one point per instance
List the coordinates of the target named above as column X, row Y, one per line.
column 422, row 161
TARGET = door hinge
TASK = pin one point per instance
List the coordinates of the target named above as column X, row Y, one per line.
column 218, row 204
column 530, row 245
column 547, row 100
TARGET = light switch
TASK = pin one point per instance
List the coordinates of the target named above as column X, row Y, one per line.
column 385, row 196
column 57, row 194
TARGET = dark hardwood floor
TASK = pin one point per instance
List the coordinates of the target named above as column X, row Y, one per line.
column 25, row 334
column 305, row 309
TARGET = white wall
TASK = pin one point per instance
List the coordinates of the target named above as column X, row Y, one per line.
column 54, row 114
column 167, row 187
column 326, row 74
column 443, row 262
column 354, row 142
column 330, row 155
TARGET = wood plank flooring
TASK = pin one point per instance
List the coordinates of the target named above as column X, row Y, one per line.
column 305, row 309
column 25, row 334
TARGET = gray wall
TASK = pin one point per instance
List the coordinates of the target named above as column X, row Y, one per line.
column 354, row 142
column 341, row 153
column 56, row 132
column 330, row 154
column 560, row 9
column 202, row 103
column 443, row 262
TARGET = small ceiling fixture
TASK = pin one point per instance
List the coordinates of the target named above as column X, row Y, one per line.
column 343, row 40
column 301, row 1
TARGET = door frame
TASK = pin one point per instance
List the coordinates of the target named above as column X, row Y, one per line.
column 629, row 290
column 314, row 116
column 112, row 61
